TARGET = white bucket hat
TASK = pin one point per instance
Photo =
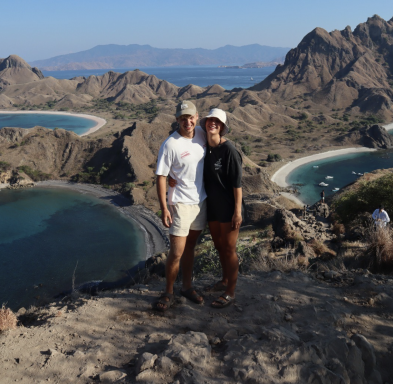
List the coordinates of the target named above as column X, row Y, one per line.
column 220, row 115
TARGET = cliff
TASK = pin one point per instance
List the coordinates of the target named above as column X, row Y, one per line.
column 340, row 69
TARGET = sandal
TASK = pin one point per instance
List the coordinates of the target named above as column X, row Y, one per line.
column 165, row 304
column 216, row 287
column 191, row 294
column 223, row 301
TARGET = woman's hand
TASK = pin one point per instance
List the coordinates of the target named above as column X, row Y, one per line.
column 172, row 182
column 236, row 220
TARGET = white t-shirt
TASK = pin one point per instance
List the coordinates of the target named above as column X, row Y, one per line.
column 182, row 159
column 383, row 216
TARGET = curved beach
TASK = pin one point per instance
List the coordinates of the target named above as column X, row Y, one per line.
column 100, row 122
column 281, row 175
column 156, row 238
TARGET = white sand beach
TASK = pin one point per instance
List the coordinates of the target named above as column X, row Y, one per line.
column 100, row 122
column 388, row 127
column 280, row 176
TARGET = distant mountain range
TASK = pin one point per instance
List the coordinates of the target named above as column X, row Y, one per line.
column 128, row 56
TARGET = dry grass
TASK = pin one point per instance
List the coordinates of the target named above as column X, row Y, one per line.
column 380, row 249
column 266, row 262
column 318, row 247
column 8, row 319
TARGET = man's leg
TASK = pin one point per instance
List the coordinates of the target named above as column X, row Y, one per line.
column 177, row 246
column 187, row 259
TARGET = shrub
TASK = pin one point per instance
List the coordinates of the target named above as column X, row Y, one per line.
column 272, row 157
column 4, row 166
column 379, row 249
column 318, row 247
column 8, row 319
column 35, row 174
column 246, row 150
column 366, row 198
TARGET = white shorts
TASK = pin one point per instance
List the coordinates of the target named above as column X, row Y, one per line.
column 186, row 217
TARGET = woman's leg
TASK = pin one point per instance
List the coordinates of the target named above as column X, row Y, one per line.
column 225, row 238
column 215, row 231
column 228, row 249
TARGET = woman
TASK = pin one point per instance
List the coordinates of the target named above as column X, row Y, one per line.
column 222, row 178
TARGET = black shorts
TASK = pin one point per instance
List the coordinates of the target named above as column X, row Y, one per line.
column 221, row 211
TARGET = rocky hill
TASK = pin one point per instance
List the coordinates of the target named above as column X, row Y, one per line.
column 341, row 69
column 127, row 56
column 14, row 70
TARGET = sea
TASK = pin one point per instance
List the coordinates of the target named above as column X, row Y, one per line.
column 181, row 76
column 344, row 169
column 76, row 124
column 48, row 236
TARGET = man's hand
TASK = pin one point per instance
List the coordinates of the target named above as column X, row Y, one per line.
column 172, row 182
column 166, row 218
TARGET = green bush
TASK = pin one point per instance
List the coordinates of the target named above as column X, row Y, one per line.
column 246, row 150
column 366, row 198
column 4, row 166
column 35, row 174
column 272, row 157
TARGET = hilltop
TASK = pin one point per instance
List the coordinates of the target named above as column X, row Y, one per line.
column 128, row 56
column 348, row 70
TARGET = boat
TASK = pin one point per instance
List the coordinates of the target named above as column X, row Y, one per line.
column 251, row 79
column 315, row 166
column 354, row 173
column 329, row 177
column 323, row 184
column 360, row 174
column 335, row 189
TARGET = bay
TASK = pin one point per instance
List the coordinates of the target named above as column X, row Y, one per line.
column 46, row 234
column 181, row 76
column 340, row 167
column 76, row 124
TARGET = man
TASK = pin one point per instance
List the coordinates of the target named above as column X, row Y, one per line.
column 181, row 156
column 381, row 217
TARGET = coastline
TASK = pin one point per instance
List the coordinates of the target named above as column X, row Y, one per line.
column 100, row 122
column 156, row 238
column 280, row 176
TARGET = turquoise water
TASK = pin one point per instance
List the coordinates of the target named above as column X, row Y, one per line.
column 45, row 233
column 76, row 124
column 340, row 168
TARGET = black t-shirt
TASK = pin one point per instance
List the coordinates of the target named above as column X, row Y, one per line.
column 222, row 173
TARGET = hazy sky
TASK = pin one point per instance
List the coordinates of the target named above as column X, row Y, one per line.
column 45, row 28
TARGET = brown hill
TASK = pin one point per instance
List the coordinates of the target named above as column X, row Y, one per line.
column 342, row 69
column 14, row 70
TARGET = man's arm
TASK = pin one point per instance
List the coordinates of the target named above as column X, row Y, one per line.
column 161, row 192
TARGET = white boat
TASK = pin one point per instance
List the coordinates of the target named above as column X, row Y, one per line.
column 360, row 174
column 335, row 189
column 315, row 166
column 323, row 184
column 329, row 177
column 252, row 79
column 354, row 173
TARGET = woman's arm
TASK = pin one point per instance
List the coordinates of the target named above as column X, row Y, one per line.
column 237, row 215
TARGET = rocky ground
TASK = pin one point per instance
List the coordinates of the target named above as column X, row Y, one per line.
column 299, row 327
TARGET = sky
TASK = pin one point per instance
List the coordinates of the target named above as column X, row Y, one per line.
column 42, row 29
